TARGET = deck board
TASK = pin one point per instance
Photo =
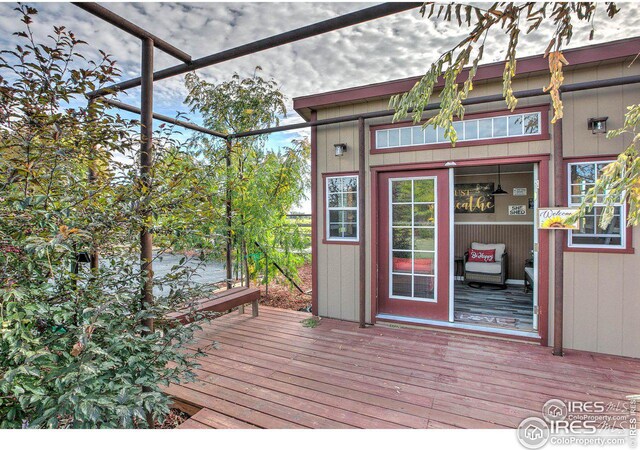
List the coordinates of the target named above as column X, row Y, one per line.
column 271, row 372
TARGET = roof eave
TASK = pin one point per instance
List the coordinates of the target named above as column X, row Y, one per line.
column 622, row 48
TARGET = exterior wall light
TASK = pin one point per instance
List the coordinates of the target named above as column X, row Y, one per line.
column 340, row 149
column 597, row 125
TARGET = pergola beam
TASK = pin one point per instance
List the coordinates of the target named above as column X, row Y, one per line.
column 163, row 118
column 346, row 20
column 133, row 29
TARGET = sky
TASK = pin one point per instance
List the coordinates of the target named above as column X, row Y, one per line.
column 392, row 47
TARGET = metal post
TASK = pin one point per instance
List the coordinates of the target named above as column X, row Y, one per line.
column 146, row 157
column 559, row 237
column 361, row 222
column 228, row 215
column 146, row 161
column 266, row 275
column 91, row 178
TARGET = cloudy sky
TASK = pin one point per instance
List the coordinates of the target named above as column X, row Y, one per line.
column 389, row 48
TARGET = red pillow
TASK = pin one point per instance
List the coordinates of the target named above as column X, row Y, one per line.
column 481, row 255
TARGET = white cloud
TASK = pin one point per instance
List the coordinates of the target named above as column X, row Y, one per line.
column 392, row 47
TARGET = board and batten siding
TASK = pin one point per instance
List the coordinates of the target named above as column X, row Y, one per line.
column 602, row 300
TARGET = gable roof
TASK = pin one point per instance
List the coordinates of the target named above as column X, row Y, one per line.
column 622, row 48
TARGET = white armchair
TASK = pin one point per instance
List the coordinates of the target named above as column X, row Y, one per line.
column 487, row 272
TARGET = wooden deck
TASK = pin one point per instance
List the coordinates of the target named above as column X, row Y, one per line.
column 271, row 372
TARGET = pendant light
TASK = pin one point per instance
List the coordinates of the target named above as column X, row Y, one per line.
column 499, row 191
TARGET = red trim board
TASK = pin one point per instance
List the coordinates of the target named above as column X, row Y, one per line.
column 314, row 216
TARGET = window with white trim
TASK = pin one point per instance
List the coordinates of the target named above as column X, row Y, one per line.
column 342, row 208
column 498, row 127
column 581, row 177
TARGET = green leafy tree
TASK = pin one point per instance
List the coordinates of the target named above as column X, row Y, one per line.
column 264, row 185
column 73, row 350
column 620, row 179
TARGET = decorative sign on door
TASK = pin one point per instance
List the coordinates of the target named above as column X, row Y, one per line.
column 474, row 198
column 556, row 219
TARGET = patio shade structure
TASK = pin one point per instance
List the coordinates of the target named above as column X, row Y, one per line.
column 148, row 76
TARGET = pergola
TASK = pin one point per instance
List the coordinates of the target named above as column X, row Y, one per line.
column 149, row 76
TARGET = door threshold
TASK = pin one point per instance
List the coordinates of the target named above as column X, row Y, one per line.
column 460, row 326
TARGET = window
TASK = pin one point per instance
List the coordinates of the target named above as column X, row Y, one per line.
column 583, row 176
column 342, row 208
column 498, row 127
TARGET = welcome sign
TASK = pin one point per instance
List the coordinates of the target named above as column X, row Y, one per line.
column 476, row 198
column 556, row 219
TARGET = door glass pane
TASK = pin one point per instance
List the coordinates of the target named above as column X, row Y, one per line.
column 401, row 239
column 401, row 262
column 423, row 191
column 401, row 285
column 401, row 215
column 423, row 215
column 424, row 263
column 424, row 287
column 424, row 239
column 401, row 191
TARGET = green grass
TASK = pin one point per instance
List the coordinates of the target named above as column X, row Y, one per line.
column 311, row 322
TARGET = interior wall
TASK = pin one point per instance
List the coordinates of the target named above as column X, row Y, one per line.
column 517, row 238
column 516, row 232
column 502, row 202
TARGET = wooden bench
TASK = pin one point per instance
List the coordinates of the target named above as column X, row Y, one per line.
column 226, row 300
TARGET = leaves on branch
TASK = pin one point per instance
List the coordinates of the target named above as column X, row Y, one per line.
column 451, row 75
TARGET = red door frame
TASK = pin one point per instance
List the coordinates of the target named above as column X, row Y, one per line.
column 543, row 235
column 438, row 310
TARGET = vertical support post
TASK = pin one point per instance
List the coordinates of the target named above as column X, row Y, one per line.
column 559, row 237
column 146, row 161
column 361, row 223
column 266, row 275
column 91, row 178
column 228, row 216
column 314, row 215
